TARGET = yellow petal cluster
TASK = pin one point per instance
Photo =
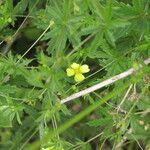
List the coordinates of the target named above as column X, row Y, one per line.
column 50, row 148
column 77, row 71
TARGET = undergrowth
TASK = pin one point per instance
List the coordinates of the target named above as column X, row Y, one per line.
column 46, row 46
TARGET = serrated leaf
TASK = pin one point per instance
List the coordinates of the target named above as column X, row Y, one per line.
column 20, row 7
column 110, row 38
column 100, row 122
column 6, row 116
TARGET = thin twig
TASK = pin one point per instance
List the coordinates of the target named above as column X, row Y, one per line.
column 34, row 43
column 88, row 141
column 143, row 113
column 1, row 42
column 84, row 41
column 23, row 145
column 7, row 47
column 124, row 98
column 137, row 142
column 102, row 84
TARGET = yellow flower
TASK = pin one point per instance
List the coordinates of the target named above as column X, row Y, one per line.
column 48, row 148
column 84, row 69
column 75, row 66
column 77, row 70
column 79, row 77
column 70, row 72
column 51, row 148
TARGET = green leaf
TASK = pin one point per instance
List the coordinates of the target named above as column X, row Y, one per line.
column 20, row 7
column 6, row 116
column 100, row 122
column 110, row 38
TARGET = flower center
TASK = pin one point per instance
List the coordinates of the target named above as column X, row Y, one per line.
column 77, row 71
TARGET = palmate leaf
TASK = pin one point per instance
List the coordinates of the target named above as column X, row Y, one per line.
column 10, row 66
column 110, row 38
column 100, row 122
column 8, row 11
column 34, row 78
column 8, row 110
column 138, row 129
column 137, row 14
column 7, row 113
column 139, row 5
column 5, row 14
column 20, row 7
column 86, row 147
column 6, row 116
column 8, row 89
column 66, row 26
column 61, row 39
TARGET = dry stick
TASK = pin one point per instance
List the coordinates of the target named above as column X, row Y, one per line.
column 102, row 84
column 143, row 112
column 124, row 98
column 1, row 42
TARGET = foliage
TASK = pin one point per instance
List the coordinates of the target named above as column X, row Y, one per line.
column 39, row 40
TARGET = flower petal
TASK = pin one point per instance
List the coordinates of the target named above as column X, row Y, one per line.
column 75, row 66
column 79, row 77
column 70, row 72
column 84, row 69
